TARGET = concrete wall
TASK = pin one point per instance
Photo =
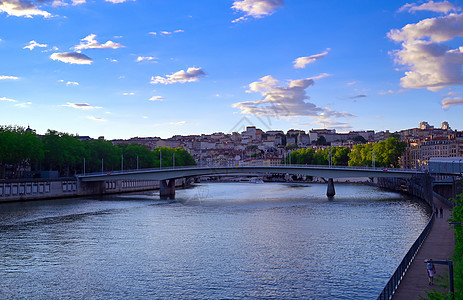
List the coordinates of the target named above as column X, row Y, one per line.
column 419, row 186
column 18, row 191
column 48, row 189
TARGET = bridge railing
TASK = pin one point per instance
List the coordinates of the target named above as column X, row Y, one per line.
column 399, row 273
column 249, row 166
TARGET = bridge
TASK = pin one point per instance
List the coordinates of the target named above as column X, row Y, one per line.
column 167, row 176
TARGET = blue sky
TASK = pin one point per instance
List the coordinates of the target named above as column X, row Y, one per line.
column 159, row 68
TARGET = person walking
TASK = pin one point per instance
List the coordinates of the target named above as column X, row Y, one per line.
column 436, row 212
column 441, row 212
column 431, row 269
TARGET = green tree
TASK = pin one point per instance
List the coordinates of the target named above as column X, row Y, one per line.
column 19, row 148
column 387, row 153
column 360, row 139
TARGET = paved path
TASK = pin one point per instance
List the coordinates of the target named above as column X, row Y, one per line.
column 438, row 245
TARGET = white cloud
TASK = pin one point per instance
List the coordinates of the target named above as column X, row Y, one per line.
column 452, row 94
column 391, row 92
column 7, row 99
column 440, row 7
column 301, row 62
column 287, row 102
column 4, row 77
column 432, row 66
column 118, row 1
column 33, row 44
column 128, row 94
column 156, row 98
column 72, row 58
column 58, row 3
column 178, row 123
column 437, row 30
column 164, row 32
column 192, row 74
column 145, row 58
column 83, row 106
column 449, row 102
column 68, row 83
column 23, row 104
column 54, row 48
column 256, row 8
column 327, row 123
column 77, row 2
column 90, row 42
column 21, row 8
column 112, row 60
column 430, row 63
column 93, row 118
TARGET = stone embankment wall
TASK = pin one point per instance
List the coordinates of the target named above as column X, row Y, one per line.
column 419, row 186
column 48, row 189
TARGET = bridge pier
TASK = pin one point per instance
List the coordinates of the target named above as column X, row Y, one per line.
column 330, row 190
column 167, row 189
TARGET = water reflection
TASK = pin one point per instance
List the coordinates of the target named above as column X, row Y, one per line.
column 214, row 241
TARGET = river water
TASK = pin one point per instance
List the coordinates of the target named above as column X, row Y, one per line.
column 215, row 241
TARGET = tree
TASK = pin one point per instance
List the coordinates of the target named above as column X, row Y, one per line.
column 387, row 153
column 291, row 146
column 21, row 149
column 360, row 139
column 321, row 141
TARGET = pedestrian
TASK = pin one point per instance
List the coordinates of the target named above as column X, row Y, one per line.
column 431, row 269
column 441, row 212
column 436, row 212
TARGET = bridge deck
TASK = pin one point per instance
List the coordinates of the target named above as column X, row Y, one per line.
column 438, row 245
column 318, row 171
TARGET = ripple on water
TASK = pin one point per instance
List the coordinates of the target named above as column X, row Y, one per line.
column 215, row 241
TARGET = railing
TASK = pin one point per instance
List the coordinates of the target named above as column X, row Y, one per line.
column 255, row 166
column 399, row 273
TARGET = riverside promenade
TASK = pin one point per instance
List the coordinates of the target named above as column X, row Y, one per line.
column 439, row 245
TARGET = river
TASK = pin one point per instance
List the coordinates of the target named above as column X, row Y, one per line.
column 215, row 241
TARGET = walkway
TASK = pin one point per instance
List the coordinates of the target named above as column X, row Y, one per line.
column 438, row 245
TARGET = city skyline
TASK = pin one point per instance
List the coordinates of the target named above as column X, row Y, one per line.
column 125, row 68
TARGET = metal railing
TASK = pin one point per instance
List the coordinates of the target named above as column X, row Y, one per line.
column 399, row 273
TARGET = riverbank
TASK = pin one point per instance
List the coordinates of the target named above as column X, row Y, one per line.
column 41, row 189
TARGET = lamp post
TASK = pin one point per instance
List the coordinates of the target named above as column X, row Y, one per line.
column 330, row 158
column 84, row 166
column 122, row 163
column 102, row 166
column 373, row 158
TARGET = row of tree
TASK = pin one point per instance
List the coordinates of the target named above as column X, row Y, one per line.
column 21, row 149
column 385, row 154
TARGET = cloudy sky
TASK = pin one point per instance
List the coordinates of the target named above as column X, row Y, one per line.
column 124, row 68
